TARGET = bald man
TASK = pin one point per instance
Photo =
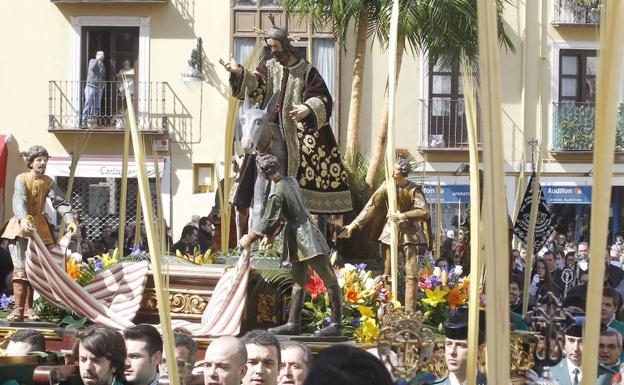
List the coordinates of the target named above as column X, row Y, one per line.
column 225, row 362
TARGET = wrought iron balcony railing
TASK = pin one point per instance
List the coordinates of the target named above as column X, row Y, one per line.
column 576, row 12
column 444, row 124
column 75, row 104
column 574, row 127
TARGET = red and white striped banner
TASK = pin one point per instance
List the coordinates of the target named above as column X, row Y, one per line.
column 114, row 296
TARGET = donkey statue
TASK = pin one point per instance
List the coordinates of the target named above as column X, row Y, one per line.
column 259, row 136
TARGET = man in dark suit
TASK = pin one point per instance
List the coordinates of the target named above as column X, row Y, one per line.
column 568, row 371
column 456, row 349
column 94, row 88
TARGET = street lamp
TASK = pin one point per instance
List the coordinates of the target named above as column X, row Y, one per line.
column 193, row 77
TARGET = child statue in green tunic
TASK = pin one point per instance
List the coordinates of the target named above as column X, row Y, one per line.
column 304, row 245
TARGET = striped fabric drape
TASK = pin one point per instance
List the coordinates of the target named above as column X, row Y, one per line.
column 114, row 296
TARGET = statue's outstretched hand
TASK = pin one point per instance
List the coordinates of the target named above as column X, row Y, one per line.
column 300, row 112
column 246, row 241
column 232, row 65
column 346, row 232
column 266, row 242
column 26, row 226
column 72, row 227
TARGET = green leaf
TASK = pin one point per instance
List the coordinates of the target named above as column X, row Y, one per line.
column 70, row 322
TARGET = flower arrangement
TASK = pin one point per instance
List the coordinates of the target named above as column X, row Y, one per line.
column 442, row 293
column 197, row 257
column 363, row 297
column 84, row 272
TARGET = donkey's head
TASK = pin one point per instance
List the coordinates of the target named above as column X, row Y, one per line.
column 255, row 124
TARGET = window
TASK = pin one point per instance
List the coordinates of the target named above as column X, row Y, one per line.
column 577, row 76
column 120, row 44
column 444, row 110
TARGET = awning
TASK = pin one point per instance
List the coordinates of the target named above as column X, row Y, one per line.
column 100, row 167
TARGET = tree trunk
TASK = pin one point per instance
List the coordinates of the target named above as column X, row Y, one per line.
column 379, row 148
column 355, row 106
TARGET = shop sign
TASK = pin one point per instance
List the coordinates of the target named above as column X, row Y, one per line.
column 562, row 194
column 448, row 193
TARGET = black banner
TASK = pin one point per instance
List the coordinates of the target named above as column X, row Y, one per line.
column 543, row 226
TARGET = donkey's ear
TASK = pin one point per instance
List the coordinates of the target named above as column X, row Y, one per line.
column 271, row 104
column 247, row 103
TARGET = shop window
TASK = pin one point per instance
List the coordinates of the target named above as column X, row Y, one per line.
column 96, row 200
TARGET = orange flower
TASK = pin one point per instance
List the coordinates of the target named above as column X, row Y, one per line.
column 465, row 283
column 351, row 296
column 73, row 269
column 315, row 286
column 456, row 297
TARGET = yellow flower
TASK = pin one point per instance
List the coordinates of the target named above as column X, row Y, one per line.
column 368, row 331
column 434, row 297
column 366, row 311
column 108, row 260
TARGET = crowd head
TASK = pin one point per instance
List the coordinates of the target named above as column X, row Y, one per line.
column 296, row 362
column 144, row 348
column 101, row 355
column 26, row 341
column 263, row 358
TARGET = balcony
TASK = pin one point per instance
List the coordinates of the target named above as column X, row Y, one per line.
column 444, row 125
column 67, row 107
column 573, row 127
column 576, row 13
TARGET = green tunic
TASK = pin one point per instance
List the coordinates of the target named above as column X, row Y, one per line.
column 302, row 239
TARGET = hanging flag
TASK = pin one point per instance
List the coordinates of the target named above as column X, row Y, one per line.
column 543, row 225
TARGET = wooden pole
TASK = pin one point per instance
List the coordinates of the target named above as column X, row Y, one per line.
column 159, row 206
column 390, row 184
column 607, row 100
column 139, row 219
column 476, row 256
column 121, row 232
column 519, row 191
column 152, row 241
column 494, row 208
column 438, row 220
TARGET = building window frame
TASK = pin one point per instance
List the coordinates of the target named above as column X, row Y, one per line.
column 75, row 50
column 557, row 47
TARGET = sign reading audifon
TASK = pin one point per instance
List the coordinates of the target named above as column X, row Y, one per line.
column 557, row 194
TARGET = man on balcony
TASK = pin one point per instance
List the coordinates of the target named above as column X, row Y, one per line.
column 94, row 88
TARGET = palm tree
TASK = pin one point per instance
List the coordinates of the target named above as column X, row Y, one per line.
column 338, row 14
column 441, row 28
